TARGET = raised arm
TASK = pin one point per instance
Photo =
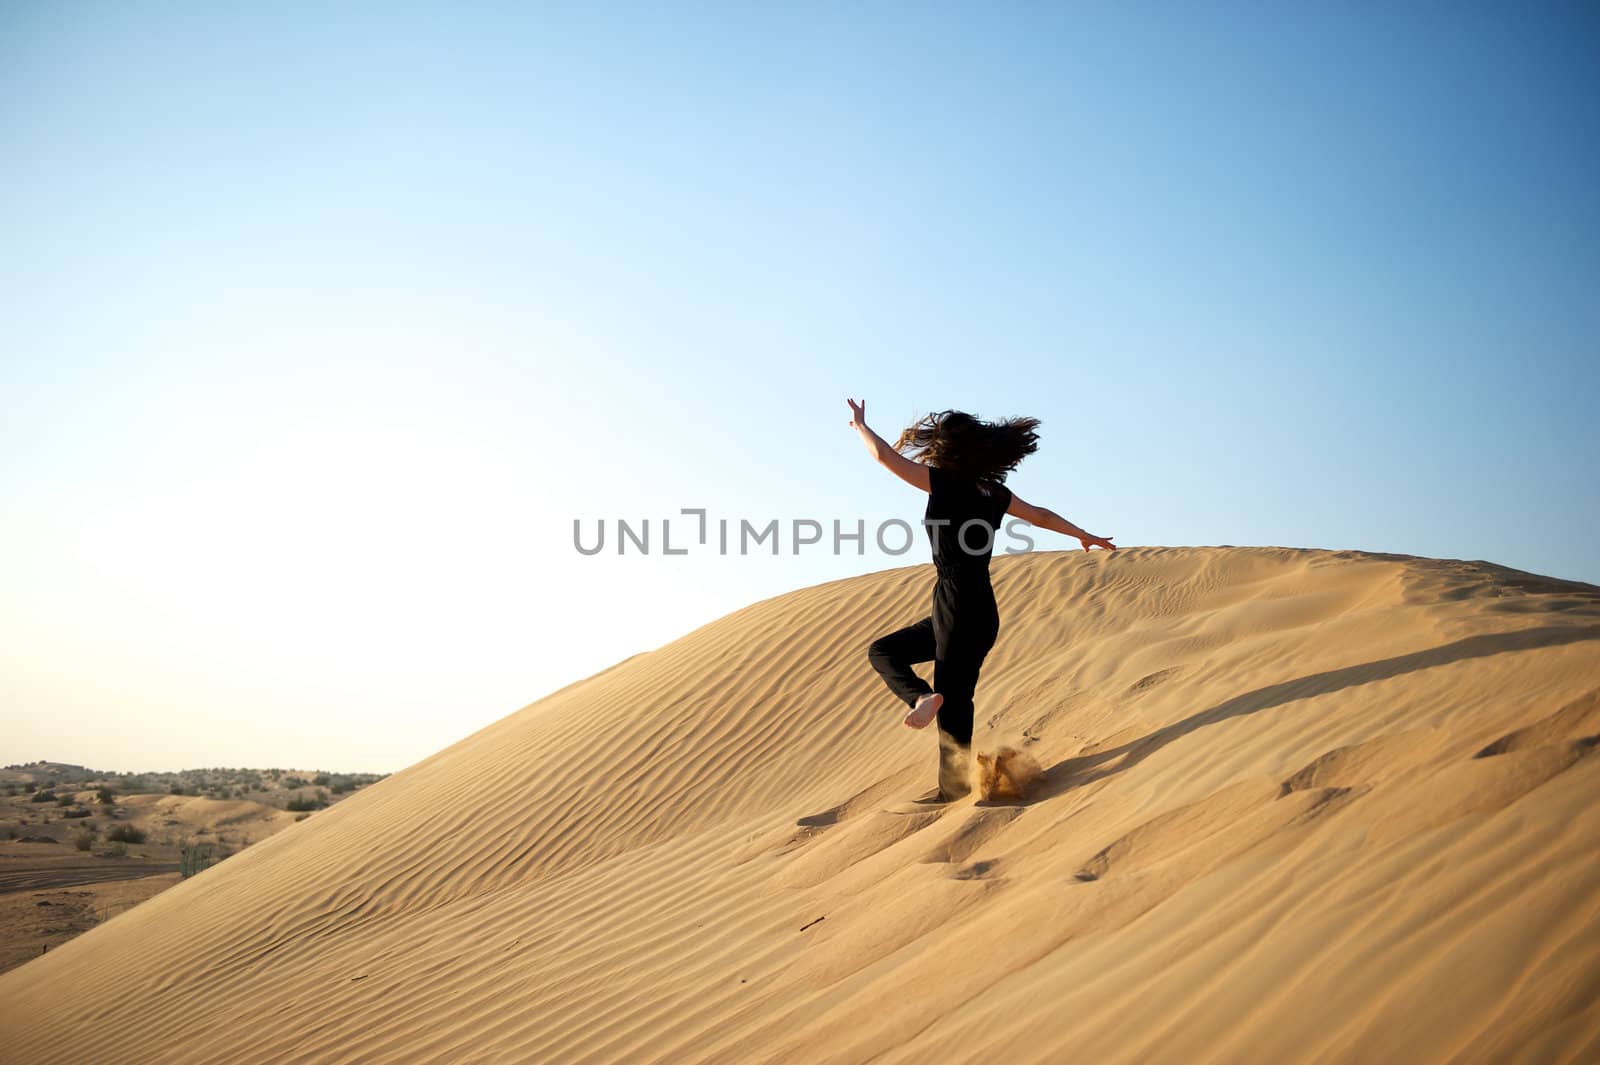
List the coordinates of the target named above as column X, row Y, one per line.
column 913, row 473
column 1045, row 518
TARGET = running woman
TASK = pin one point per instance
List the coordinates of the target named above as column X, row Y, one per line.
column 961, row 463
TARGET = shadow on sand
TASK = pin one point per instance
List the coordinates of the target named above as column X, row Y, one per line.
column 1087, row 768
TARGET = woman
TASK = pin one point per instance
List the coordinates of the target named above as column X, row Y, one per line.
column 962, row 464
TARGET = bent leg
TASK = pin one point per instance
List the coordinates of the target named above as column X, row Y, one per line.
column 892, row 656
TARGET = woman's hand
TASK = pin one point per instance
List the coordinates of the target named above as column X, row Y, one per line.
column 858, row 413
column 1096, row 541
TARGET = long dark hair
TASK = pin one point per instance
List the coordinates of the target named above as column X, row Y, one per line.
column 955, row 440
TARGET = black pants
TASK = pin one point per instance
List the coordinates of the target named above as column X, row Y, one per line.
column 957, row 636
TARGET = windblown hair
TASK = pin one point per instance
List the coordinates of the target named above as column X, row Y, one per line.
column 955, row 440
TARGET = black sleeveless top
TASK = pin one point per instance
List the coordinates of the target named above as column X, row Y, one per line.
column 963, row 518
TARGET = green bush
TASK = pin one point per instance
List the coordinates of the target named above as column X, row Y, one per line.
column 106, row 796
column 126, row 834
column 195, row 858
column 43, row 796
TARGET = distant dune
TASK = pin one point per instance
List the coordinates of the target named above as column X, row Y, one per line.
column 1295, row 806
column 78, row 845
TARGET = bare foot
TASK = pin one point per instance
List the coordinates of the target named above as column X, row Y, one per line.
column 925, row 711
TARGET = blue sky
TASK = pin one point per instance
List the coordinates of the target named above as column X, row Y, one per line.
column 321, row 324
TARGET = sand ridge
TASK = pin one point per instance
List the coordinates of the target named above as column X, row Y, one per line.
column 1293, row 804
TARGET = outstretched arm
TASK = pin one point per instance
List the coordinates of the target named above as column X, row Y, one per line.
column 1045, row 518
column 913, row 473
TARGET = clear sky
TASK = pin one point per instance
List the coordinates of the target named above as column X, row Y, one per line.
column 321, row 324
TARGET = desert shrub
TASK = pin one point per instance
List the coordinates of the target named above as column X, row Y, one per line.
column 126, row 834
column 323, row 778
column 106, row 796
column 116, row 850
column 195, row 858
column 65, row 800
column 85, row 839
column 300, row 802
column 82, row 811
column 43, row 796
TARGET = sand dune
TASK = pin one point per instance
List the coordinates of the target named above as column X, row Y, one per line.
column 51, row 890
column 1296, row 805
